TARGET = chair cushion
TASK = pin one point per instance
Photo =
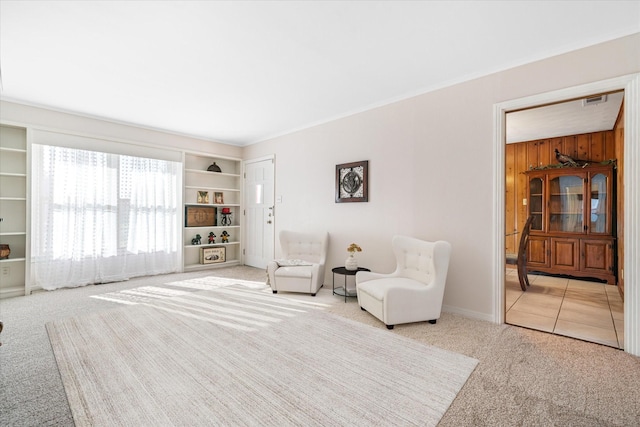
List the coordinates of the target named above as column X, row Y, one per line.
column 376, row 288
column 297, row 271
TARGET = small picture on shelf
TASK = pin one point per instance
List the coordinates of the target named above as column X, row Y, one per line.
column 218, row 198
column 203, row 197
column 212, row 255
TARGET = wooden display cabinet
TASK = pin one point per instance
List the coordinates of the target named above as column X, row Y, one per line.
column 574, row 223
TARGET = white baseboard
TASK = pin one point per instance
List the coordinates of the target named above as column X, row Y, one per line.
column 468, row 313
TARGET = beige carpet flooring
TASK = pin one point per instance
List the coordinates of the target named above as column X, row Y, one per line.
column 525, row 377
column 238, row 356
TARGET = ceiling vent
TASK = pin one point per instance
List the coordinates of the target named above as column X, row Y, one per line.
column 594, row 100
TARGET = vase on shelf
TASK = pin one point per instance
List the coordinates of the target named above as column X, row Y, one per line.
column 351, row 263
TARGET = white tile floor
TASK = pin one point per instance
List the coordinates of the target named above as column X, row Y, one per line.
column 590, row 311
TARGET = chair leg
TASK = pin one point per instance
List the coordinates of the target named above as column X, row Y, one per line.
column 389, row 327
column 433, row 321
column 313, row 295
column 362, row 308
column 275, row 292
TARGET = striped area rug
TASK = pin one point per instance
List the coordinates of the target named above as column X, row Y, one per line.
column 238, row 356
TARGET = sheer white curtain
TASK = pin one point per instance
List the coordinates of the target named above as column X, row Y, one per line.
column 101, row 217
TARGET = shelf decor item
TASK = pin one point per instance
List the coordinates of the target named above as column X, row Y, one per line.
column 203, row 197
column 351, row 263
column 213, row 255
column 5, row 251
column 352, row 182
column 226, row 217
column 218, row 197
column 214, row 168
column 200, row 216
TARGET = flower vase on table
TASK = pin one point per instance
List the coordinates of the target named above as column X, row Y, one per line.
column 351, row 263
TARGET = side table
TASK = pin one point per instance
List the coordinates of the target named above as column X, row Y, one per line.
column 342, row 291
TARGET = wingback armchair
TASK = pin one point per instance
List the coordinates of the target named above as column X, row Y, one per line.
column 301, row 268
column 414, row 291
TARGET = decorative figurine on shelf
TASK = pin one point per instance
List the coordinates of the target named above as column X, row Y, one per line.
column 566, row 160
column 197, row 240
column 225, row 237
column 226, row 216
column 214, row 168
column 212, row 238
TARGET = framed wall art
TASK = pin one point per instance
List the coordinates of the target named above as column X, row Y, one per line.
column 213, row 255
column 218, row 198
column 352, row 182
column 200, row 216
column 203, row 197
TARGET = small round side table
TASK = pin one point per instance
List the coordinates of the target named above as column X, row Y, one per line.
column 342, row 291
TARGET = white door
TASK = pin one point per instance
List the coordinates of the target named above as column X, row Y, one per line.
column 259, row 212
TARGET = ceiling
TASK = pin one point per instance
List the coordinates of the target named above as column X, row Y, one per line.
column 566, row 118
column 243, row 72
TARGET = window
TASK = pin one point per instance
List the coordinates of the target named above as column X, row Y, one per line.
column 99, row 217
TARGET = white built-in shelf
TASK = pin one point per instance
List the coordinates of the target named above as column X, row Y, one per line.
column 15, row 199
column 198, row 179
column 213, row 245
column 13, row 150
column 12, row 260
column 194, row 187
column 235, row 175
column 219, row 205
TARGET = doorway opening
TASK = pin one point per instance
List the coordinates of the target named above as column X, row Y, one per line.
column 561, row 166
column 629, row 180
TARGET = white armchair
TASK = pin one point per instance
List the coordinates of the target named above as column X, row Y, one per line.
column 302, row 267
column 414, row 291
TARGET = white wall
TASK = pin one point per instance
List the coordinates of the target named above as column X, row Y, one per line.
column 41, row 118
column 430, row 169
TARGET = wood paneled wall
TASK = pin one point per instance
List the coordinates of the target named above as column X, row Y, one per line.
column 522, row 156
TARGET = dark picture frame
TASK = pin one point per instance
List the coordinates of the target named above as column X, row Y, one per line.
column 200, row 216
column 352, row 182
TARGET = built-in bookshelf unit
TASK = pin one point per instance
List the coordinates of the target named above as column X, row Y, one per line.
column 212, row 204
column 13, row 212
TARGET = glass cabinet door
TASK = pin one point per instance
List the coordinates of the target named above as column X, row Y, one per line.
column 598, row 210
column 536, row 202
column 566, row 204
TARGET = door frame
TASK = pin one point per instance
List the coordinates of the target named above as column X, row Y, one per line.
column 271, row 157
column 631, row 177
